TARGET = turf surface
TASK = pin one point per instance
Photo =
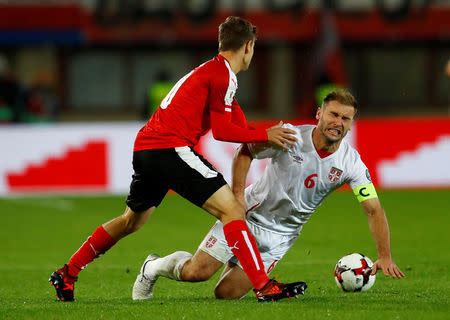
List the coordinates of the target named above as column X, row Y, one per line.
column 39, row 234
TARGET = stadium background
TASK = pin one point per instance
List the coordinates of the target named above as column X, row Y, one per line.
column 79, row 78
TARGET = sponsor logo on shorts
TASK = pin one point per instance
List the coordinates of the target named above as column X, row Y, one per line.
column 211, row 241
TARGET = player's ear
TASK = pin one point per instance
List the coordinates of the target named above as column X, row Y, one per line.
column 318, row 112
column 248, row 46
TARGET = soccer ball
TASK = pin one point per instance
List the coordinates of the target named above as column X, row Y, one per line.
column 352, row 273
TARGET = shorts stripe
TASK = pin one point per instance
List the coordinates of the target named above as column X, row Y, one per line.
column 186, row 154
column 250, row 247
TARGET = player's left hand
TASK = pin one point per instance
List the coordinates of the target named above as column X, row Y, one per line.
column 388, row 267
column 281, row 137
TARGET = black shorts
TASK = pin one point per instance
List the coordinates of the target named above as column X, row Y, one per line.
column 181, row 169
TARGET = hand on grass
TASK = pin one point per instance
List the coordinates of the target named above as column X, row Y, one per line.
column 388, row 267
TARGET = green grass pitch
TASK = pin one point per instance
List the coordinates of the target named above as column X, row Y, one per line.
column 39, row 234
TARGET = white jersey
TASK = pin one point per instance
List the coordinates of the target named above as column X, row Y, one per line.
column 295, row 182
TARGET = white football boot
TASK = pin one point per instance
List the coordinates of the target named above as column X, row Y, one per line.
column 145, row 281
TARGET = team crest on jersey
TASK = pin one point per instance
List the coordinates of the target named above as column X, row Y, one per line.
column 335, row 174
column 211, row 241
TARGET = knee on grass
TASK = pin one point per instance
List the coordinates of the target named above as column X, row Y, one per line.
column 225, row 292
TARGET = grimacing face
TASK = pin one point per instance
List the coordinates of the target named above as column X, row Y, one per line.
column 335, row 120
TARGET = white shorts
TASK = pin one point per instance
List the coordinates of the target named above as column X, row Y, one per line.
column 272, row 246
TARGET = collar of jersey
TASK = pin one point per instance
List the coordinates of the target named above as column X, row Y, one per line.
column 221, row 57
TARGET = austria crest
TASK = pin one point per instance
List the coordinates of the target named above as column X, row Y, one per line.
column 335, row 174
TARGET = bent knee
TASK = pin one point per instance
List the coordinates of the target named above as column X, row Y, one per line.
column 235, row 212
column 228, row 293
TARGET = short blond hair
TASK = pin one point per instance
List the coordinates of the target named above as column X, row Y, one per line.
column 343, row 96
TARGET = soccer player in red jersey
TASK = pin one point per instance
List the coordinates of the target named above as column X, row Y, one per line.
column 164, row 159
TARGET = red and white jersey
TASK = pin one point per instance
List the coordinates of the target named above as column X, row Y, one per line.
column 202, row 99
column 295, row 182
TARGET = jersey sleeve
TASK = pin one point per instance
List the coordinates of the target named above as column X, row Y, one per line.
column 221, row 92
column 238, row 117
column 360, row 181
column 262, row 150
column 227, row 119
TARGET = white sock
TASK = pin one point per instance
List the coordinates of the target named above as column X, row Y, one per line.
column 169, row 266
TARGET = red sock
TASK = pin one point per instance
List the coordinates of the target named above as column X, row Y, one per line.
column 98, row 243
column 243, row 245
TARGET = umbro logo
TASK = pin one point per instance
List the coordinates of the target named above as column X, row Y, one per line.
column 297, row 159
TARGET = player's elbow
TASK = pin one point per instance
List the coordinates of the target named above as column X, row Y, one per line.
column 243, row 152
column 372, row 208
column 218, row 134
column 370, row 212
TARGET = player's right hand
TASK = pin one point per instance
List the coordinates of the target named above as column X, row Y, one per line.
column 281, row 137
column 388, row 267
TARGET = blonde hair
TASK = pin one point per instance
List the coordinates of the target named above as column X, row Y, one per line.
column 342, row 96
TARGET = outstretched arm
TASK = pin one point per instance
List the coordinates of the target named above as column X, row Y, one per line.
column 379, row 227
column 240, row 167
column 225, row 130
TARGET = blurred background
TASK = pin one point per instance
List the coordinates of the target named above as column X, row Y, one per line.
column 76, row 65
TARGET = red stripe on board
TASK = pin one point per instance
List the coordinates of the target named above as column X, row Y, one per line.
column 80, row 168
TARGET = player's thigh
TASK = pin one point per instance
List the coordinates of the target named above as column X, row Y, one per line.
column 233, row 283
column 148, row 186
column 224, row 206
column 201, row 267
column 194, row 178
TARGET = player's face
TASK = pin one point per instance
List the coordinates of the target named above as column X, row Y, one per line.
column 248, row 54
column 335, row 120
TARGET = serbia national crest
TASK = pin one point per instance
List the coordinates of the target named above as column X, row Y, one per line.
column 211, row 241
column 335, row 174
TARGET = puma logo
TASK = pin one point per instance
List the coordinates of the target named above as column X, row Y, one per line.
column 235, row 246
column 93, row 249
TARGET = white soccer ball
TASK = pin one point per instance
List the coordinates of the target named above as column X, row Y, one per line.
column 352, row 273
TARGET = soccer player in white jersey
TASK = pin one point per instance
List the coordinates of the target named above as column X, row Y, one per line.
column 293, row 185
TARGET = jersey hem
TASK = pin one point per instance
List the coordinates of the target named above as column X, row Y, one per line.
column 157, row 147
